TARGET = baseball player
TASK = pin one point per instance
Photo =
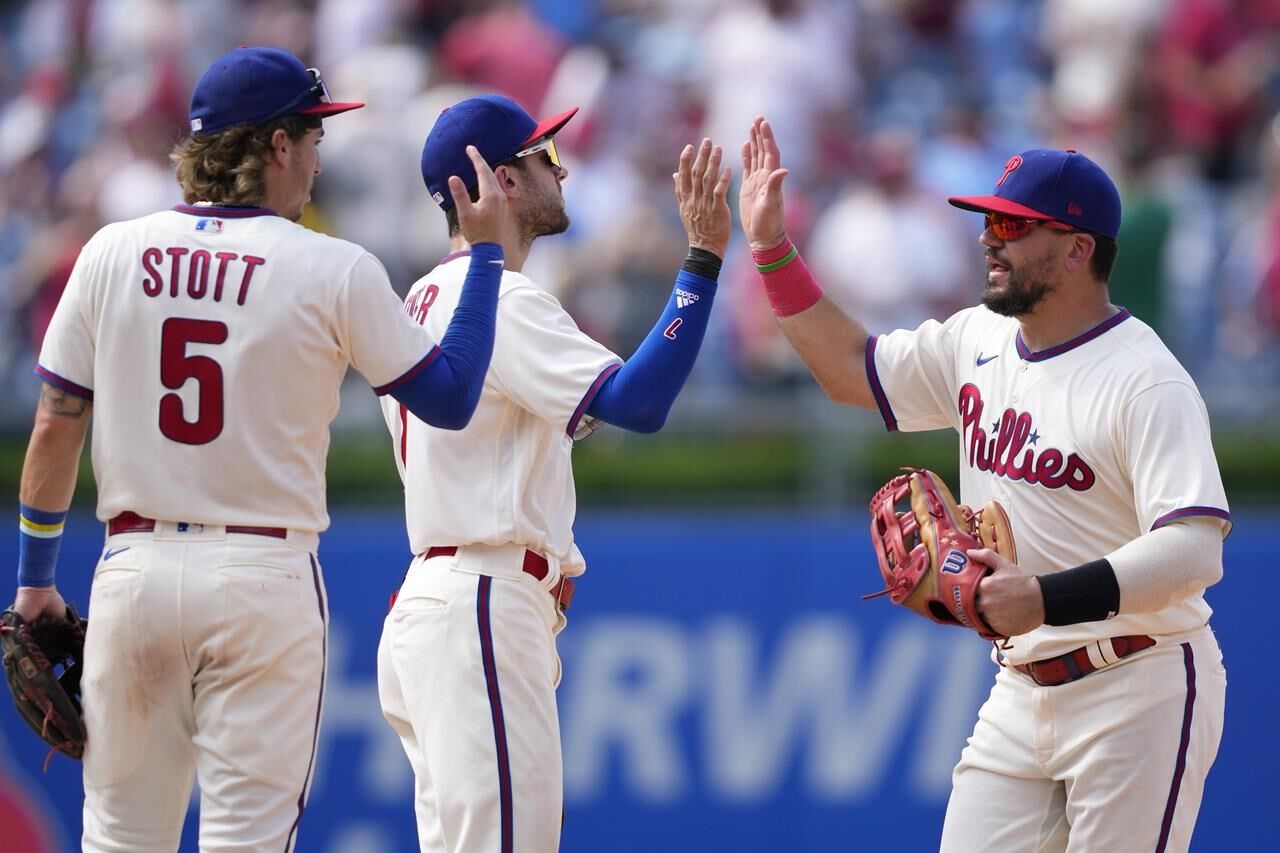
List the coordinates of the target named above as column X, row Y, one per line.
column 211, row 339
column 467, row 666
column 1107, row 708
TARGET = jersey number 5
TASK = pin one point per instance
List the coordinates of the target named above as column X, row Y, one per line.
column 176, row 367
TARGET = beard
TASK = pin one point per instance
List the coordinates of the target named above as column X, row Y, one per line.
column 1024, row 290
column 543, row 219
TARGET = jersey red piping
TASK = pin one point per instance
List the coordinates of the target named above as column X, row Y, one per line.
column 877, row 390
column 422, row 365
column 1102, row 328
column 64, row 384
column 589, row 396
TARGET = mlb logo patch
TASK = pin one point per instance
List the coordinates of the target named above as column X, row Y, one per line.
column 213, row 226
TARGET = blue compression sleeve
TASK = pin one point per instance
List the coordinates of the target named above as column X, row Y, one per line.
column 445, row 392
column 639, row 395
column 39, row 538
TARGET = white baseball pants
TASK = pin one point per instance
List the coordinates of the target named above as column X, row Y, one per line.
column 467, row 671
column 205, row 657
column 1113, row 761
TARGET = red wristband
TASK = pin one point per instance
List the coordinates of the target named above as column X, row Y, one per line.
column 787, row 281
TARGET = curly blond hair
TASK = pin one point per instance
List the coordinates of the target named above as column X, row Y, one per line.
column 228, row 167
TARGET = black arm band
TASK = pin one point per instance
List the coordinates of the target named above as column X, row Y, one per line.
column 703, row 263
column 1087, row 593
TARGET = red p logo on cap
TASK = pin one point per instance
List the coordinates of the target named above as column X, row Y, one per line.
column 1014, row 162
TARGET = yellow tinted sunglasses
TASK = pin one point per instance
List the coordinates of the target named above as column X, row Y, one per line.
column 548, row 145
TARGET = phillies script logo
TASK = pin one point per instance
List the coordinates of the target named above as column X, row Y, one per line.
column 999, row 452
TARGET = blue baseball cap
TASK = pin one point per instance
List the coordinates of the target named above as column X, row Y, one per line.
column 1064, row 186
column 253, row 84
column 498, row 127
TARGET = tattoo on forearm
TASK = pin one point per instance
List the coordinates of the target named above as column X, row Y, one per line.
column 59, row 402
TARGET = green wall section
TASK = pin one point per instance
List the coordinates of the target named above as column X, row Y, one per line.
column 758, row 469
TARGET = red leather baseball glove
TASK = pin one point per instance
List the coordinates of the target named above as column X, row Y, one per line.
column 921, row 549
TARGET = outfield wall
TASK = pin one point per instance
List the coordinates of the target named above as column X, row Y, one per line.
column 725, row 689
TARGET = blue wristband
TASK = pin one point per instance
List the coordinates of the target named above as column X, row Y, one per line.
column 39, row 538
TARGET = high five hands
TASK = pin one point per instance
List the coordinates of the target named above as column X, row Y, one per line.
column 760, row 199
column 702, row 189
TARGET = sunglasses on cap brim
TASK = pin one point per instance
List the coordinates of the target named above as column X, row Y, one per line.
column 317, row 88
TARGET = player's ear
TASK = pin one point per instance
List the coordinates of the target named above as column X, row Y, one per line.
column 509, row 179
column 1081, row 250
column 280, row 143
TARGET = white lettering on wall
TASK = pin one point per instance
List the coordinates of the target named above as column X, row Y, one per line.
column 629, row 682
column 845, row 706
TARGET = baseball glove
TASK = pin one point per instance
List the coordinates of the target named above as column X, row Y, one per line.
column 47, row 700
column 922, row 550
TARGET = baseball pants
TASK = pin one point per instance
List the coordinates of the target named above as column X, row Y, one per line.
column 204, row 659
column 467, row 671
column 1113, row 761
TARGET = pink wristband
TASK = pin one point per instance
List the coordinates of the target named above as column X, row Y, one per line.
column 787, row 280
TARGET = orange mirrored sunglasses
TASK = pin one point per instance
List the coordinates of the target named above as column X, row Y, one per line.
column 1009, row 228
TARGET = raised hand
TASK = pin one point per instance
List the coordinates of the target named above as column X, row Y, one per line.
column 483, row 220
column 702, row 188
column 760, row 199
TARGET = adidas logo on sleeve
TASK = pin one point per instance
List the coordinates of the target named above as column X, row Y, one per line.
column 684, row 298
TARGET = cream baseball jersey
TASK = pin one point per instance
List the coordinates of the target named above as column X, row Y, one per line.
column 1088, row 445
column 212, row 342
column 508, row 477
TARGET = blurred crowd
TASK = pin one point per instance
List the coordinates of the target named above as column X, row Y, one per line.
column 882, row 109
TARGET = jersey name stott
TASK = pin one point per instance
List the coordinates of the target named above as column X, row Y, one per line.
column 197, row 273
column 999, row 452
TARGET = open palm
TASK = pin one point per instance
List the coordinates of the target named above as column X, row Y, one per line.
column 760, row 198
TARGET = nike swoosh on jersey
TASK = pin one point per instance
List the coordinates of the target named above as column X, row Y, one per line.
column 110, row 553
column 499, row 263
column 982, row 361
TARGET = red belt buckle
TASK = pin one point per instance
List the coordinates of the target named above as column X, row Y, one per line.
column 562, row 592
column 535, row 565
